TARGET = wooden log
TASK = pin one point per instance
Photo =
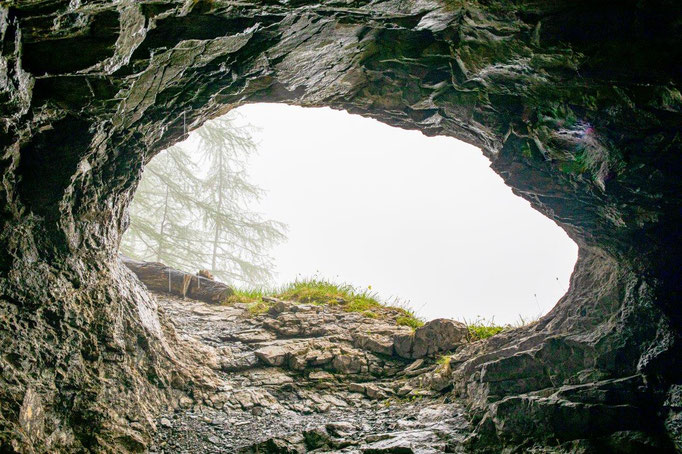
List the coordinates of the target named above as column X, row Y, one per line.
column 161, row 278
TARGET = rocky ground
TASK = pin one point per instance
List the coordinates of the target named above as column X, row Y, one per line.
column 306, row 378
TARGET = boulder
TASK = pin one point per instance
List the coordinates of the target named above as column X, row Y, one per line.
column 439, row 335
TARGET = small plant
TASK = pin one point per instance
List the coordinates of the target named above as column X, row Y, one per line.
column 478, row 332
column 370, row 314
column 244, row 296
column 258, row 308
column 444, row 360
column 482, row 329
column 409, row 320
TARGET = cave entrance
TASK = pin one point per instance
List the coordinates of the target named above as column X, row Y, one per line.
column 421, row 220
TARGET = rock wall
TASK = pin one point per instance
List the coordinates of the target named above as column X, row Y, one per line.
column 576, row 103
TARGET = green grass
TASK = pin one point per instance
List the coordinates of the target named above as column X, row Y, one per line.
column 370, row 314
column 245, row 296
column 444, row 360
column 480, row 331
column 409, row 320
column 322, row 292
column 350, row 299
column 483, row 329
column 258, row 308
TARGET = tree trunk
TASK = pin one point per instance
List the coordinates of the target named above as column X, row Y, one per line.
column 163, row 225
column 161, row 278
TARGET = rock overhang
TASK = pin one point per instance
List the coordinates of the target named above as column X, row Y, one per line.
column 577, row 105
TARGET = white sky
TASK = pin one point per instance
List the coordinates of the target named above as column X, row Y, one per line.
column 421, row 219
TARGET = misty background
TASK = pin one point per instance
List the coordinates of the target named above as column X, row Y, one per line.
column 421, row 219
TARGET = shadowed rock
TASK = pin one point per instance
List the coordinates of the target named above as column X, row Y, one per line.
column 577, row 105
column 440, row 335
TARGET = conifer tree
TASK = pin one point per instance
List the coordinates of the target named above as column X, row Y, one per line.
column 238, row 237
column 191, row 209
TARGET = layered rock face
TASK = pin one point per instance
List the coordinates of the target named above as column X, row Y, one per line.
column 304, row 378
column 577, row 105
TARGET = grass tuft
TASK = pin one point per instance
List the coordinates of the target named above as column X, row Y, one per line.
column 370, row 314
column 245, row 296
column 480, row 331
column 322, row 292
column 482, row 328
column 409, row 320
column 258, row 308
column 444, row 362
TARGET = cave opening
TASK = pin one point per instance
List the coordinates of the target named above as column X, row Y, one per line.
column 420, row 221
column 577, row 106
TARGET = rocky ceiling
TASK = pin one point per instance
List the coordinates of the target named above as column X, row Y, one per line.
column 576, row 103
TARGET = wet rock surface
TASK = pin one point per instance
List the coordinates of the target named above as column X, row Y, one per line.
column 296, row 379
column 577, row 105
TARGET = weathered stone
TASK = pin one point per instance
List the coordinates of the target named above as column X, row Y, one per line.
column 436, row 336
column 408, row 442
column 320, row 375
column 165, row 422
column 340, row 429
column 255, row 336
column 576, row 104
column 376, row 343
column 273, row 355
column 349, row 363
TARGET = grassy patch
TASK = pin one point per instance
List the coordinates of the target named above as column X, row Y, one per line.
column 323, row 292
column 316, row 291
column 444, row 363
column 409, row 320
column 245, row 296
column 370, row 314
column 478, row 331
column 258, row 308
column 483, row 329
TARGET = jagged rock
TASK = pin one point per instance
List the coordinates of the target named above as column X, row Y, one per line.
column 436, row 336
column 186, row 402
column 291, row 445
column 369, row 389
column 377, row 343
column 409, row 442
column 340, row 429
column 577, row 105
column 350, row 362
column 255, row 336
column 320, row 375
column 415, row 365
column 249, row 398
column 273, row 355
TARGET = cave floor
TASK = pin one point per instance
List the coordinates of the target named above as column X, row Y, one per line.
column 296, row 380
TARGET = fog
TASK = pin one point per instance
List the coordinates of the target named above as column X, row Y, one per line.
column 421, row 219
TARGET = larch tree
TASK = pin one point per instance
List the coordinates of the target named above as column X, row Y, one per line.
column 191, row 210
